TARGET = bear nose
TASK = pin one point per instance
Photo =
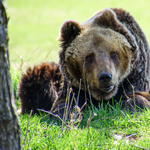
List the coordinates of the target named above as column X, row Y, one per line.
column 105, row 77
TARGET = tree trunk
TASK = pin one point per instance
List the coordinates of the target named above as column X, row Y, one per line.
column 9, row 127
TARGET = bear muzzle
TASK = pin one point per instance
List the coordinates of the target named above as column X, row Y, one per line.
column 105, row 80
column 105, row 77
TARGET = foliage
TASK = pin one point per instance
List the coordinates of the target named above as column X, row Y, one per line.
column 15, row 77
column 105, row 127
column 34, row 24
column 110, row 129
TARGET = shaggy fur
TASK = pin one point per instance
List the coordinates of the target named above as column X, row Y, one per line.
column 111, row 41
column 107, row 56
column 39, row 87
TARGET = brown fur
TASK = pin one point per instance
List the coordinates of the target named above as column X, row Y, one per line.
column 39, row 87
column 110, row 42
column 108, row 56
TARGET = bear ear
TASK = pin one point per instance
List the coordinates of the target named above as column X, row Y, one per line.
column 69, row 30
column 108, row 19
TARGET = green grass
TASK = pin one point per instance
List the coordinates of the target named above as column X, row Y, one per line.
column 34, row 24
column 33, row 29
column 99, row 134
column 103, row 128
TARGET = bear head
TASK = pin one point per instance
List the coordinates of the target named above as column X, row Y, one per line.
column 98, row 54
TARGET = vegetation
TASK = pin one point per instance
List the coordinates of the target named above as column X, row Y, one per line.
column 110, row 129
column 34, row 24
column 33, row 27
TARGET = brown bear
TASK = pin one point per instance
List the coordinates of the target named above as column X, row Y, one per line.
column 39, row 87
column 105, row 57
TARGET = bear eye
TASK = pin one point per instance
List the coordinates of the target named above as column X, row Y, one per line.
column 89, row 58
column 113, row 55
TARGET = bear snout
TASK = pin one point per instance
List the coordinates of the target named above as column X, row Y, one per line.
column 105, row 78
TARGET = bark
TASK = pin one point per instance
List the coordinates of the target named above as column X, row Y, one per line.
column 9, row 126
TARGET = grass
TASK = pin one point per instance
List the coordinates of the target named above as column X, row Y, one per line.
column 33, row 27
column 108, row 130
column 102, row 128
column 34, row 24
